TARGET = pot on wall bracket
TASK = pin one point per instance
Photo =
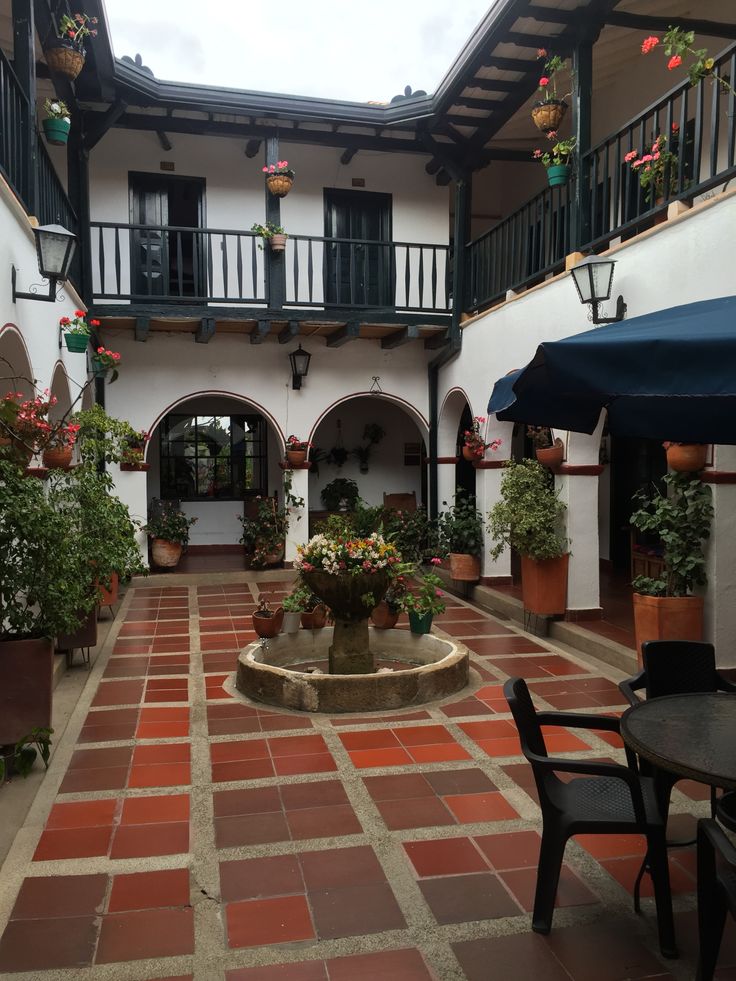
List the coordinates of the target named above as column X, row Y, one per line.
column 278, row 242
column 548, row 115
column 551, row 456
column 686, row 457
column 558, row 175
column 56, row 130
column 76, row 343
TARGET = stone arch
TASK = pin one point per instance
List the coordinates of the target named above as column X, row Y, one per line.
column 411, row 410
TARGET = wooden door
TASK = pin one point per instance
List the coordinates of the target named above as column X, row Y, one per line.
column 358, row 273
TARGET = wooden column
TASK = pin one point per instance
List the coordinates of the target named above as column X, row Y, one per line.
column 78, row 189
column 24, row 64
column 582, row 91
column 275, row 261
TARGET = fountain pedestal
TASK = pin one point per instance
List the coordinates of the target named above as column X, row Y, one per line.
column 349, row 652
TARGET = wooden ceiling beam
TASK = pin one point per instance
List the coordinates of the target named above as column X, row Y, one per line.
column 649, row 22
column 399, row 337
column 288, row 332
column 492, row 84
column 261, row 330
column 205, row 330
column 344, row 334
column 487, row 104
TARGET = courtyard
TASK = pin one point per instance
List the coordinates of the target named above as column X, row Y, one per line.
column 182, row 832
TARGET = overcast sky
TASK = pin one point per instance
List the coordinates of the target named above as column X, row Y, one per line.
column 304, row 47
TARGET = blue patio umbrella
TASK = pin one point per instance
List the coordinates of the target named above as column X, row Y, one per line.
column 669, row 375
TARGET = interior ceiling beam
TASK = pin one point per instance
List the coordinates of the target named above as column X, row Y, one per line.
column 531, row 40
column 649, row 22
column 344, row 334
column 399, row 337
column 521, row 65
column 550, row 15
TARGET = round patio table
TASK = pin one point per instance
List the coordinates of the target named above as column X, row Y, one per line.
column 693, row 736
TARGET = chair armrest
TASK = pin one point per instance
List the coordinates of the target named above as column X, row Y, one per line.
column 707, row 828
column 579, row 720
column 724, row 684
column 629, row 686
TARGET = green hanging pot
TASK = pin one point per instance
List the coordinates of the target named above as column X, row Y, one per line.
column 76, row 342
column 99, row 370
column 559, row 175
column 420, row 623
column 56, row 130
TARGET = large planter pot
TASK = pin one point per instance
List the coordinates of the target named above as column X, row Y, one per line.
column 291, row 622
column 64, row 58
column 314, row 619
column 279, row 184
column 686, row 457
column 84, row 636
column 76, row 343
column 57, row 457
column 464, row 568
column 551, row 456
column 548, row 115
column 165, row 554
column 383, row 617
column 268, row 626
column 544, row 585
column 558, row 175
column 420, row 623
column 109, row 596
column 26, row 685
column 295, row 458
column 56, row 131
column 667, row 618
column 278, row 242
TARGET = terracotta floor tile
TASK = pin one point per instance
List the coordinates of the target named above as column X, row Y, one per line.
column 242, row 770
column 323, row 822
column 423, row 736
column 81, row 781
column 238, row 830
column 257, row 922
column 257, row 801
column 163, row 808
column 466, row 707
column 369, row 739
column 259, row 878
column 162, row 730
column 612, row 846
column 420, row 812
column 168, row 753
column 107, row 732
column 510, row 644
column 160, row 775
column 363, row 759
column 625, row 871
column 149, row 933
column 82, row 814
column 149, row 890
column 349, row 911
column 468, row 808
column 290, row 765
column 513, row 850
column 337, row 867
column 72, row 843
column 297, row 746
column 440, row 753
column 114, row 756
column 603, row 951
column 388, row 965
column 464, row 898
column 304, row 971
column 247, row 749
column 518, row 957
column 38, row 945
column 43, row 897
column 118, row 693
column 570, row 892
column 508, row 746
column 488, row 628
column 169, row 713
column 445, row 856
column 318, row 793
column 490, row 729
column 143, row 840
column 399, row 787
column 470, row 781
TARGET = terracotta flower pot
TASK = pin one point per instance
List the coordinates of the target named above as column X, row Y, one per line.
column 268, row 626
column 383, row 617
column 667, row 618
column 296, row 458
column 464, row 568
column 165, row 554
column 278, row 242
column 57, row 457
column 470, row 454
column 686, row 457
column 109, row 596
column 551, row 456
column 544, row 585
column 420, row 623
column 279, row 184
column 26, row 686
column 314, row 619
column 549, row 114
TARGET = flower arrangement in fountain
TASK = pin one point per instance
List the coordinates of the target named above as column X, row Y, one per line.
column 475, row 442
column 347, row 555
column 657, row 170
column 677, row 46
column 78, row 324
column 426, row 597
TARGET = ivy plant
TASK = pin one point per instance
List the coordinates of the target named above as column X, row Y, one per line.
column 679, row 513
column 529, row 515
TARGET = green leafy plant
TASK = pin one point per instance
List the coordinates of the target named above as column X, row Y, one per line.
column 265, row 534
column 553, row 65
column 102, row 438
column 528, row 517
column 300, row 600
column 678, row 45
column 426, row 597
column 541, row 436
column 167, row 522
column 461, row 527
column 29, row 748
column 56, row 109
column 372, row 435
column 76, row 28
column 559, row 154
column 338, row 491
column 680, row 515
column 657, row 170
column 267, row 231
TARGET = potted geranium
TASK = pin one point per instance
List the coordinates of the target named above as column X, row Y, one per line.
column 424, row 602
column 133, row 450
column 57, row 123
column 279, row 178
column 65, row 52
column 24, row 425
column 274, row 234
column 168, row 528
column 103, row 361
column 59, row 448
column 45, row 585
column 77, row 331
column 549, row 111
column 680, row 516
column 474, row 446
column 296, row 451
column 556, row 160
column 657, row 170
column 528, row 518
column 550, row 452
column 461, row 536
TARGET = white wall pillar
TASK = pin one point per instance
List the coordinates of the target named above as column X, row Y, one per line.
column 578, row 486
column 488, row 492
column 298, row 531
column 132, row 489
column 720, row 593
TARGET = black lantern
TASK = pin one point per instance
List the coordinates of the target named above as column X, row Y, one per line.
column 593, row 280
column 299, row 366
column 55, row 247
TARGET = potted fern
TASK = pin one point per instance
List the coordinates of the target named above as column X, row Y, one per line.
column 528, row 518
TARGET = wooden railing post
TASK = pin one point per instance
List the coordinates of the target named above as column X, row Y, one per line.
column 275, row 261
column 24, row 65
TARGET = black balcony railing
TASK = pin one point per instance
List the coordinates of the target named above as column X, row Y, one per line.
column 521, row 250
column 54, row 207
column 15, row 165
column 142, row 263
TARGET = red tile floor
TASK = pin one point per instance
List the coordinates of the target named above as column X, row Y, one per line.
column 184, row 833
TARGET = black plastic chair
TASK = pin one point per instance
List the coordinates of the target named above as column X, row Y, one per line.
column 603, row 798
column 716, row 893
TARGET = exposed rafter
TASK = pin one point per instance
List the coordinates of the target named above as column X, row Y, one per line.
column 472, row 103
column 399, row 337
column 142, row 328
column 439, row 339
column 261, row 330
column 205, row 330
column 492, row 84
column 647, row 22
column 288, row 332
column 93, row 134
column 344, row 334
column 348, row 154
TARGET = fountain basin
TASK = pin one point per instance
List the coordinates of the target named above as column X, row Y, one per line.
column 428, row 668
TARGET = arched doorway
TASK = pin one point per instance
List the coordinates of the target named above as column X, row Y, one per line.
column 377, row 441
column 455, row 417
column 16, row 373
column 212, row 453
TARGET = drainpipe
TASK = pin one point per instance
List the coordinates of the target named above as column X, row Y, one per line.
column 452, row 349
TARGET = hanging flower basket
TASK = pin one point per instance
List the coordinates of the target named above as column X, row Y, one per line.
column 57, row 457
column 56, row 131
column 558, row 176
column 76, row 343
column 279, row 178
column 686, row 457
column 548, row 115
column 64, row 57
